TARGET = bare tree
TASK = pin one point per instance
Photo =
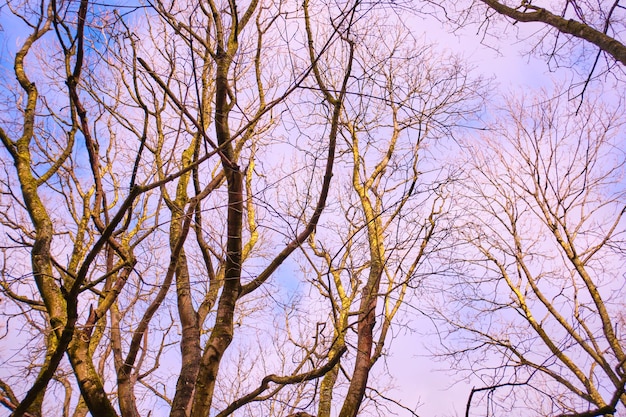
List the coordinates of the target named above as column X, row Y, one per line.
column 383, row 221
column 584, row 35
column 140, row 177
column 83, row 225
column 597, row 24
column 533, row 312
column 141, row 103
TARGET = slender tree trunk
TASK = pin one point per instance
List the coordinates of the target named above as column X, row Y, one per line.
column 222, row 333
column 125, row 383
column 90, row 384
column 365, row 341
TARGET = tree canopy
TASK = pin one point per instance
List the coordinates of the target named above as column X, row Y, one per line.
column 235, row 208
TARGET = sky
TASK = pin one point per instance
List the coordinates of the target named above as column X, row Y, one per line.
column 419, row 378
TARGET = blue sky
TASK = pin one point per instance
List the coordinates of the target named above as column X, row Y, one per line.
column 418, row 377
